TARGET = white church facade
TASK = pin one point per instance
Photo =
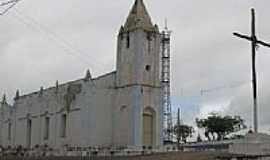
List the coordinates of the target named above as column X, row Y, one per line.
column 121, row 108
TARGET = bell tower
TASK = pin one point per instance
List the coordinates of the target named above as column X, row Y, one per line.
column 138, row 55
column 138, row 110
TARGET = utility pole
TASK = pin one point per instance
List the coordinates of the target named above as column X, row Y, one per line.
column 254, row 43
column 178, row 129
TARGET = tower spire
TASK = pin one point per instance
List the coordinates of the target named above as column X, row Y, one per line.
column 17, row 95
column 88, row 75
column 138, row 17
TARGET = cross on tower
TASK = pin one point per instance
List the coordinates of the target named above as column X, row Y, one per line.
column 254, row 43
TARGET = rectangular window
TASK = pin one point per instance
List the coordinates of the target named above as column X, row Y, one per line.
column 63, row 126
column 28, row 133
column 149, row 47
column 47, row 128
column 128, row 40
column 9, row 131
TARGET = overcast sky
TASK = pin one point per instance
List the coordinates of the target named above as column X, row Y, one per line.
column 46, row 40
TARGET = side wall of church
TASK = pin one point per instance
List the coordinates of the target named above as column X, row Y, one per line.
column 82, row 107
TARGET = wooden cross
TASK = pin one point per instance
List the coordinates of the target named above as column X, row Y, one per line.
column 254, row 43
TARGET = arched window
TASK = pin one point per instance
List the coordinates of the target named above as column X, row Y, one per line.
column 9, row 131
column 149, row 36
column 28, row 131
column 47, row 128
column 149, row 39
column 63, row 126
column 123, row 124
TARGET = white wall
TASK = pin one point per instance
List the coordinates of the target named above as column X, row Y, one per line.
column 89, row 121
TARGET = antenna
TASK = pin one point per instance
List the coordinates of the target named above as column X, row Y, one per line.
column 166, row 83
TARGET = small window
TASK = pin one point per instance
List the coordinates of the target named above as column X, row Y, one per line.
column 47, row 128
column 63, row 126
column 121, row 36
column 128, row 40
column 9, row 131
column 149, row 36
column 123, row 108
column 147, row 67
column 149, row 47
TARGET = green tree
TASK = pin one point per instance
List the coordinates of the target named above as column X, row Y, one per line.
column 182, row 132
column 217, row 127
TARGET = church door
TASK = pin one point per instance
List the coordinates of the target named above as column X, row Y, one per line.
column 29, row 133
column 148, row 127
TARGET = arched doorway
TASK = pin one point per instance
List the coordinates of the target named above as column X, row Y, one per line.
column 148, row 127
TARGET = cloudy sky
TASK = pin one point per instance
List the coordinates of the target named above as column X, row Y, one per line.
column 46, row 40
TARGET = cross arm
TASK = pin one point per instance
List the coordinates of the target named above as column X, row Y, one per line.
column 242, row 36
column 250, row 39
column 263, row 43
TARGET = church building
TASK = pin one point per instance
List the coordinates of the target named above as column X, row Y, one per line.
column 121, row 108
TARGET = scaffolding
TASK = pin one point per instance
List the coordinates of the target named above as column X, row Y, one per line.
column 166, row 84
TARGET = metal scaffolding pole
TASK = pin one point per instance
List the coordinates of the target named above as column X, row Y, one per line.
column 166, row 84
